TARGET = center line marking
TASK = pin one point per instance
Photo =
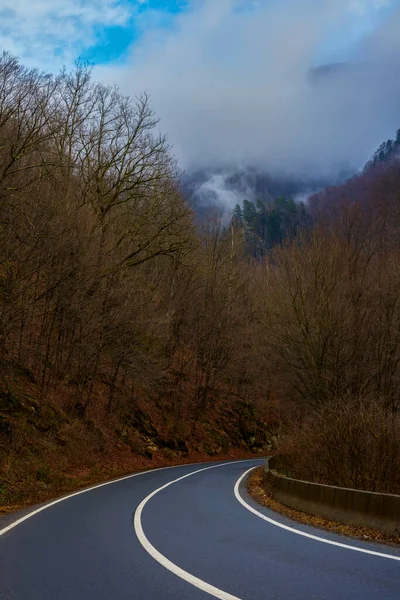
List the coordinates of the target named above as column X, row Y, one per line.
column 163, row 560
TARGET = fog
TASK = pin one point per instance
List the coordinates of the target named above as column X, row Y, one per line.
column 254, row 84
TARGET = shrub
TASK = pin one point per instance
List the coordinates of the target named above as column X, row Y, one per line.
column 352, row 443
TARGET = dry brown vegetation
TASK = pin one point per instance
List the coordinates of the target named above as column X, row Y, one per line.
column 131, row 336
column 354, row 443
column 126, row 332
column 333, row 323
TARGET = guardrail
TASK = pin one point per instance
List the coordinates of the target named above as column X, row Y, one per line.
column 353, row 507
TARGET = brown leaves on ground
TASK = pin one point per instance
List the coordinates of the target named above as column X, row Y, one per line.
column 84, row 479
column 259, row 489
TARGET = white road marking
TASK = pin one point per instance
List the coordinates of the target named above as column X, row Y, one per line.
column 303, row 533
column 94, row 487
column 163, row 560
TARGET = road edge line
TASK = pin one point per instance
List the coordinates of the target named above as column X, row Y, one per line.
column 240, row 499
column 90, row 489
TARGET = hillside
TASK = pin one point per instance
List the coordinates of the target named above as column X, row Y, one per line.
column 48, row 449
column 374, row 191
column 134, row 334
column 126, row 332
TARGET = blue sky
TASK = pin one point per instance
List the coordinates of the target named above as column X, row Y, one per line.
column 114, row 42
column 51, row 32
column 230, row 79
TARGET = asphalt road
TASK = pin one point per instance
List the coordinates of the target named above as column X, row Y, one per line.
column 190, row 540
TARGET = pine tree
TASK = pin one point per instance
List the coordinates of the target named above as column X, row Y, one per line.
column 249, row 214
column 237, row 217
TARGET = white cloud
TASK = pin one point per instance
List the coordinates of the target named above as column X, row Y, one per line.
column 234, row 87
column 231, row 80
column 364, row 6
column 52, row 32
column 218, row 190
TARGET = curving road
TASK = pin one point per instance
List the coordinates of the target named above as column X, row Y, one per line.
column 184, row 533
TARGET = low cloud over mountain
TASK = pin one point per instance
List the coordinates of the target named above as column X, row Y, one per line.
column 238, row 87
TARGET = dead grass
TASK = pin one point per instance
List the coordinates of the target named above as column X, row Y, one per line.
column 260, row 489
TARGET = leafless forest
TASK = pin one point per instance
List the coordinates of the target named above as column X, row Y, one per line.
column 129, row 330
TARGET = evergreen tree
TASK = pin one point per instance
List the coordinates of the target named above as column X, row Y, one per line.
column 237, row 217
column 267, row 224
column 249, row 214
column 385, row 152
